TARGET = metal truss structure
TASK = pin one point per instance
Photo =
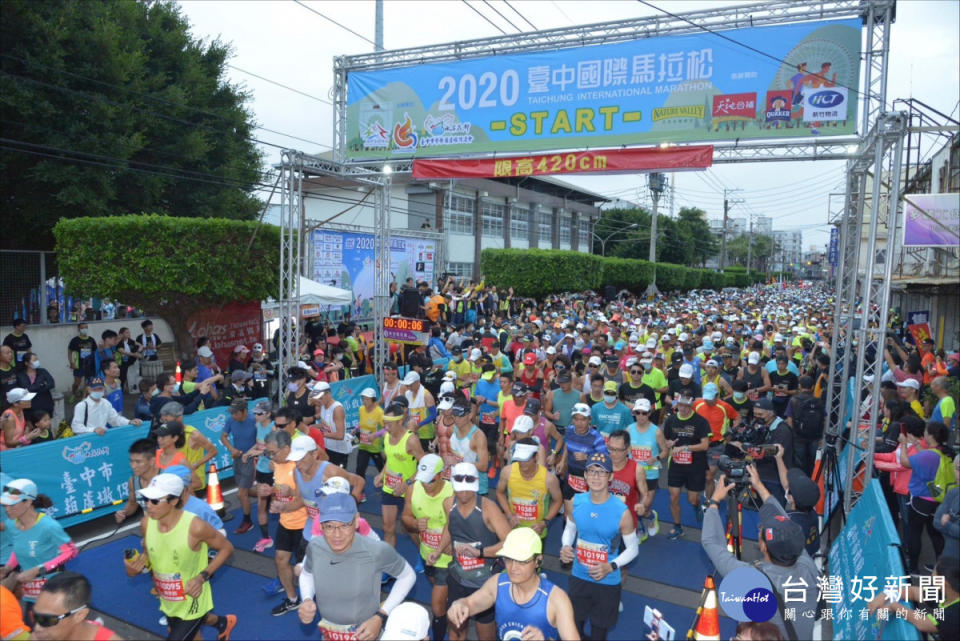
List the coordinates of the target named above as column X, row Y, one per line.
column 875, row 152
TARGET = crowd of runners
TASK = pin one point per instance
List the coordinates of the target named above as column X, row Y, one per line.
column 519, row 413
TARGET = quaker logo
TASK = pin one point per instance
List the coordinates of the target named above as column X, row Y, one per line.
column 84, row 451
column 215, row 423
column 827, row 98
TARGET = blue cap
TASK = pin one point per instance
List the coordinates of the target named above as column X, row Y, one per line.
column 710, row 391
column 600, row 459
column 96, row 381
column 619, row 345
column 337, row 507
column 707, row 345
column 180, row 470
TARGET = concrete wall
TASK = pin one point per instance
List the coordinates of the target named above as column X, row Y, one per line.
column 50, row 343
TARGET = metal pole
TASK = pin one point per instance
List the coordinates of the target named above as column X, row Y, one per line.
column 750, row 244
column 43, row 289
column 723, row 237
column 656, row 188
column 378, row 27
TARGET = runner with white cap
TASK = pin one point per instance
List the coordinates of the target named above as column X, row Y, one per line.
column 528, row 492
column 370, row 431
column 310, row 475
column 756, row 376
column 580, row 443
column 526, row 603
column 475, row 529
column 648, row 448
column 423, row 512
column 422, row 406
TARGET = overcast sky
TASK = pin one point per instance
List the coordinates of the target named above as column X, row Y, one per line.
column 291, row 45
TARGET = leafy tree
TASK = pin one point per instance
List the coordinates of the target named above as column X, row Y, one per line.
column 764, row 247
column 112, row 107
column 693, row 225
column 170, row 267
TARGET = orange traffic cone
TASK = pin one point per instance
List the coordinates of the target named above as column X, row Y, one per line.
column 818, row 473
column 214, row 495
column 178, row 374
column 708, row 617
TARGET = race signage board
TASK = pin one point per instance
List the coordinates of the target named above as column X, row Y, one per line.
column 412, row 331
column 931, row 220
column 664, row 89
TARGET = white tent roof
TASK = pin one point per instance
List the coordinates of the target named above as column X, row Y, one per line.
column 314, row 293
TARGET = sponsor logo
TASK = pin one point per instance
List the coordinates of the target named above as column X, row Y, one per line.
column 778, row 106
column 404, row 137
column 84, row 451
column 735, row 105
column 827, row 99
column 375, row 136
column 682, row 111
column 745, row 595
column 215, row 423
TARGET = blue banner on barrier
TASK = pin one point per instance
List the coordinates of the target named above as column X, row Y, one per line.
column 85, row 475
column 864, row 561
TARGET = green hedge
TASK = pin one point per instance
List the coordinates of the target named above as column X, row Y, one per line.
column 538, row 272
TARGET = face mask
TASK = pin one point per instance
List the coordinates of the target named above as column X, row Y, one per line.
column 458, row 358
column 83, row 333
column 339, row 357
column 739, row 396
column 648, row 366
column 96, row 395
column 176, row 388
column 155, row 392
column 609, row 398
column 292, row 387
column 35, row 364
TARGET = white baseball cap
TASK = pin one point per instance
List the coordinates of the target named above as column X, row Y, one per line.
column 162, row 485
column 446, row 402
column 523, row 452
column 447, row 387
column 18, row 395
column 320, row 387
column 595, row 360
column 909, row 382
column 753, row 358
column 300, row 447
column 465, row 469
column 411, row 377
column 580, row 409
column 523, row 423
column 475, row 354
column 428, row 468
column 205, row 352
column 368, row 392
column 552, row 350
column 22, row 490
column 651, row 343
column 408, row 621
column 686, row 370
column 641, row 405
column 450, row 375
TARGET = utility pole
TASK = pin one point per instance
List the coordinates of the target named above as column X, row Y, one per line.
column 657, row 184
column 723, row 238
column 378, row 26
column 750, row 244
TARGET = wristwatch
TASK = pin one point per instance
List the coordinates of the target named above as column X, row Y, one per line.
column 205, row 575
column 709, row 503
column 383, row 617
column 613, row 566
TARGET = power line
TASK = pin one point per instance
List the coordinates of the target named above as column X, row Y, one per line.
column 325, row 17
column 562, row 12
column 141, row 94
column 486, row 2
column 477, row 11
column 274, row 82
column 739, row 44
column 522, row 17
column 228, row 132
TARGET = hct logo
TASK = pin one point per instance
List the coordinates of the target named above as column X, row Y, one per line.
column 82, row 452
column 216, row 423
column 826, row 99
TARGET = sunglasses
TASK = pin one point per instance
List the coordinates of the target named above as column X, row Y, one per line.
column 464, row 478
column 636, row 371
column 162, row 498
column 269, row 454
column 640, row 413
column 13, row 491
column 280, row 425
column 50, row 620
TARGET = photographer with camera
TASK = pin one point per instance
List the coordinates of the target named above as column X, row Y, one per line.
column 760, row 440
column 784, row 563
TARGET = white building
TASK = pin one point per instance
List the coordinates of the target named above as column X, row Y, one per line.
column 763, row 225
column 790, row 253
column 470, row 214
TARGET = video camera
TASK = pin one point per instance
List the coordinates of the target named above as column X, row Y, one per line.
column 735, row 470
column 750, row 434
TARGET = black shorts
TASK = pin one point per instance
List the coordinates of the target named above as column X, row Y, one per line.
column 439, row 575
column 691, row 477
column 595, row 601
column 455, row 590
column 391, row 499
column 184, row 629
column 264, row 477
column 288, row 540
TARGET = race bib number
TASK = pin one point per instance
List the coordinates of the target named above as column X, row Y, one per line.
column 468, row 563
column 431, row 538
column 489, row 418
column 169, row 586
column 752, row 394
column 277, row 502
column 577, row 483
column 682, row 457
column 312, row 510
column 337, row 632
column 392, row 481
column 641, row 454
column 590, row 553
column 525, row 510
column 31, row 589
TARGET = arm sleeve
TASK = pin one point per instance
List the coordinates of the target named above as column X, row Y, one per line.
column 68, row 551
column 431, row 416
column 631, row 550
column 715, row 545
column 401, row 588
column 569, row 535
column 307, row 587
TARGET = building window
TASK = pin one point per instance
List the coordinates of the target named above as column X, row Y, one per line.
column 519, row 227
column 458, row 216
column 460, row 269
column 585, row 242
column 492, row 219
column 566, row 221
column 545, row 226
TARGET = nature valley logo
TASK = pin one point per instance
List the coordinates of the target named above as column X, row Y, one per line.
column 682, row 111
column 215, row 423
column 84, row 451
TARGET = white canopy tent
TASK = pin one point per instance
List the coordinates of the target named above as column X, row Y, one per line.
column 314, row 293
